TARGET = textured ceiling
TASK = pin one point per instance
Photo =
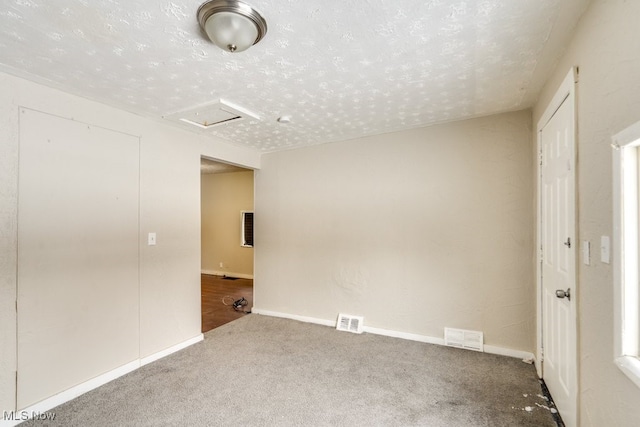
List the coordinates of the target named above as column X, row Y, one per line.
column 340, row 69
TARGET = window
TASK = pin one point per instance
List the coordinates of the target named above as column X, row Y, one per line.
column 626, row 175
column 246, row 239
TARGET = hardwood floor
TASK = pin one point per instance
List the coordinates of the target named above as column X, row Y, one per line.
column 214, row 289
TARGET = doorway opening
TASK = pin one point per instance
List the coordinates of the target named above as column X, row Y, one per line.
column 226, row 196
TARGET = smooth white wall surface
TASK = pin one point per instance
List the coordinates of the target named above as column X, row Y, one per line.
column 169, row 282
column 413, row 230
column 224, row 196
column 606, row 48
column 8, row 244
column 77, row 255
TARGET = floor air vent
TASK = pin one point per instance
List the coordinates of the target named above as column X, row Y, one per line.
column 461, row 338
column 350, row 323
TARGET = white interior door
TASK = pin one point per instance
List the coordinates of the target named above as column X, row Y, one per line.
column 557, row 222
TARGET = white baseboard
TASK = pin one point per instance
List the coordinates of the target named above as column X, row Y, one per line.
column 73, row 392
column 405, row 335
column 518, row 354
column 159, row 355
column 525, row 355
column 172, row 349
column 295, row 317
column 227, row 273
column 82, row 388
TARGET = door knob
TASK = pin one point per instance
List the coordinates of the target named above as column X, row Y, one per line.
column 562, row 294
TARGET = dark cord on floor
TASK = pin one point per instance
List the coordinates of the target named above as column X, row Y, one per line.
column 238, row 305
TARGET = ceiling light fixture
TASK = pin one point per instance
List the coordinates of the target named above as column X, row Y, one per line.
column 231, row 25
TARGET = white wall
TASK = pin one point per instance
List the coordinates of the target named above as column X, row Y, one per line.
column 414, row 230
column 77, row 253
column 224, row 196
column 169, row 205
column 606, row 48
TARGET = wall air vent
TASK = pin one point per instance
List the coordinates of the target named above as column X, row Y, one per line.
column 207, row 116
column 461, row 338
column 350, row 323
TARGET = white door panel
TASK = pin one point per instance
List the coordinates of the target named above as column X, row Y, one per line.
column 558, row 260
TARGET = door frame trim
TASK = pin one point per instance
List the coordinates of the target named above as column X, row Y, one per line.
column 566, row 92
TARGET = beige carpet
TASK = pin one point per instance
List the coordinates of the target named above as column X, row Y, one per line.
column 263, row 371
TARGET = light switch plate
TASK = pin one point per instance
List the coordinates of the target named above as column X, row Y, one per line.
column 586, row 252
column 151, row 239
column 605, row 249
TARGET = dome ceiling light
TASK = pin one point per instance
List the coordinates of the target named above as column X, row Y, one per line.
column 231, row 25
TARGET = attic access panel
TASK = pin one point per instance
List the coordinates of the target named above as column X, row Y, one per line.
column 210, row 115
